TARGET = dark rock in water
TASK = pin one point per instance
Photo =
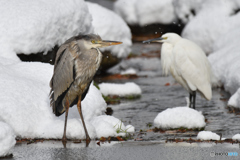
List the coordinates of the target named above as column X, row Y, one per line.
column 108, row 60
column 141, row 33
column 40, row 57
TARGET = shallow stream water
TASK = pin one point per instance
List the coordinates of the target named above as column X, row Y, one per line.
column 156, row 97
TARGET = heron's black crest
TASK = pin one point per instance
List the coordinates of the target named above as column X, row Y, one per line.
column 88, row 37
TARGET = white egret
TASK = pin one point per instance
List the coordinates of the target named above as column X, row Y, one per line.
column 187, row 63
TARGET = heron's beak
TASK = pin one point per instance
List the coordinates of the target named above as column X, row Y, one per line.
column 108, row 43
column 155, row 40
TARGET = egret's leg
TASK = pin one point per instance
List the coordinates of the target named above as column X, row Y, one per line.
column 194, row 99
column 80, row 112
column 64, row 138
column 190, row 98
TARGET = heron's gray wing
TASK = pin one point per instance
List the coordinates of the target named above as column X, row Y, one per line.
column 64, row 68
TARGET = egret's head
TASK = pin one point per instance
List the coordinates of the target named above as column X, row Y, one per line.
column 94, row 41
column 171, row 38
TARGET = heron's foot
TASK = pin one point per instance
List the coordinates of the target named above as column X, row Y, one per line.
column 64, row 141
column 88, row 140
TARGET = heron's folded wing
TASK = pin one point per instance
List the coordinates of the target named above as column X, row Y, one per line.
column 63, row 73
column 191, row 63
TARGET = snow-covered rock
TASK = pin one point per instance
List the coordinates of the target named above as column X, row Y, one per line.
column 142, row 12
column 121, row 90
column 236, row 137
column 235, row 99
column 225, row 61
column 177, row 117
column 111, row 26
column 208, row 135
column 187, row 9
column 204, row 28
column 7, row 139
column 31, row 26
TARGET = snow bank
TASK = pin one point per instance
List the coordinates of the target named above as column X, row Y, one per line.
column 34, row 26
column 208, row 135
column 144, row 12
column 111, row 27
column 25, row 105
column 204, row 28
column 225, row 61
column 236, row 137
column 126, row 89
column 187, row 9
column 179, row 117
column 7, row 139
column 30, row 26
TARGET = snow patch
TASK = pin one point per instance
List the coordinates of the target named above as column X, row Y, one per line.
column 144, row 12
column 236, row 137
column 7, row 139
column 126, row 89
column 208, row 135
column 178, row 117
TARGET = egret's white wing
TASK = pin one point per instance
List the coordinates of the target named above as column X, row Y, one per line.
column 192, row 65
column 166, row 57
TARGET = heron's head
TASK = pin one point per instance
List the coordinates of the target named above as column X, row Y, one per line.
column 94, row 41
column 171, row 38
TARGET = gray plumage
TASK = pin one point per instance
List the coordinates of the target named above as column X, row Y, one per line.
column 77, row 61
column 74, row 69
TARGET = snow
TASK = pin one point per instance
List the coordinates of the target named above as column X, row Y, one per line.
column 32, row 26
column 185, row 9
column 204, row 28
column 29, row 112
column 7, row 139
column 236, row 137
column 178, row 117
column 126, row 89
column 142, row 12
column 208, row 135
column 128, row 71
column 111, row 26
column 235, row 99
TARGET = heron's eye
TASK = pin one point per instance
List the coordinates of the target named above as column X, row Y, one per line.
column 93, row 42
column 164, row 37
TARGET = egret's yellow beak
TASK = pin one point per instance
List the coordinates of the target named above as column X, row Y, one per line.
column 107, row 43
column 155, row 40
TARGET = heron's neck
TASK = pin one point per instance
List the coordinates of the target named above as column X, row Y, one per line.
column 99, row 58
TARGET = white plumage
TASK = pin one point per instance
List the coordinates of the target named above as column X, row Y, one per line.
column 187, row 63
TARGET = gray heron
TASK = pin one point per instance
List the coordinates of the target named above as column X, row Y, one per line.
column 76, row 63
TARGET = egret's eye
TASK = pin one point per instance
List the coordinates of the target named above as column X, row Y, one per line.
column 164, row 37
column 93, row 42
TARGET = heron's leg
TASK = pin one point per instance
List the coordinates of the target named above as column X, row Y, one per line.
column 80, row 112
column 64, row 138
column 190, row 98
column 194, row 99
